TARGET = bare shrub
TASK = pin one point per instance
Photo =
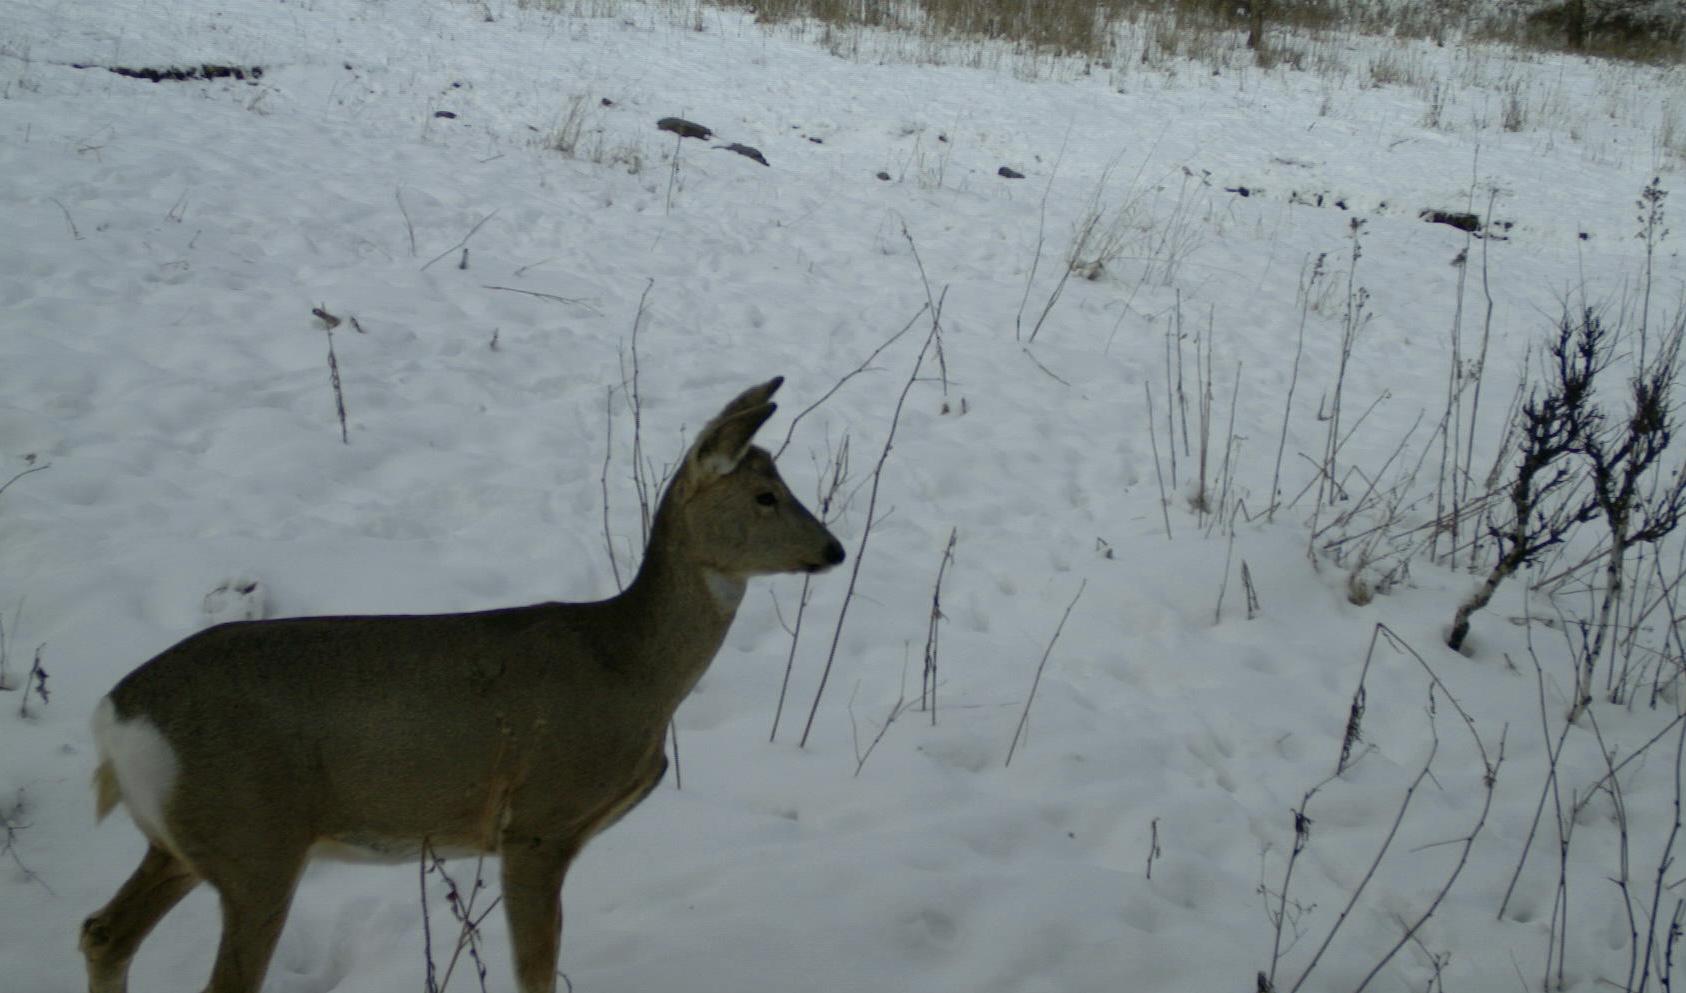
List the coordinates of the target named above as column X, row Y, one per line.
column 1513, row 115
column 1542, row 508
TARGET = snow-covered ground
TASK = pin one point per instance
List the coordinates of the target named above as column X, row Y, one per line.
column 163, row 245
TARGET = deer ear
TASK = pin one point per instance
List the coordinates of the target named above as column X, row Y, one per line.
column 755, row 396
column 726, row 439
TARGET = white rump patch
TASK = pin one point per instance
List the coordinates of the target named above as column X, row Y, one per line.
column 144, row 764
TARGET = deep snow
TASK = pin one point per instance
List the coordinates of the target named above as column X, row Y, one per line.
column 164, row 246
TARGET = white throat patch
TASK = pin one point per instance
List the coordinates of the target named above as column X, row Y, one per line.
column 726, row 590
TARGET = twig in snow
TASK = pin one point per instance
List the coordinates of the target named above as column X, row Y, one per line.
column 1253, row 607
column 541, row 296
column 673, row 172
column 1355, row 712
column 1664, row 863
column 398, row 194
column 1369, row 874
column 1306, row 285
column 1302, row 837
column 932, row 302
column 832, row 479
column 1223, row 585
column 1153, row 438
column 1037, row 681
column 75, row 235
column 928, row 682
column 643, row 477
column 34, row 681
column 935, row 310
column 896, row 710
column 678, row 770
column 11, row 824
column 1041, row 231
column 851, row 374
column 1051, row 373
column 603, row 480
column 430, row 983
column 463, row 910
column 463, row 243
column 1489, row 780
column 334, row 376
column 34, row 468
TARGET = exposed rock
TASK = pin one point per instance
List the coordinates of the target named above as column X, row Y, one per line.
column 684, row 128
column 746, row 151
column 1463, row 220
column 180, row 74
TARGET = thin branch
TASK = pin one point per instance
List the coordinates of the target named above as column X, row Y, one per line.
column 1041, row 236
column 851, row 374
column 74, row 234
column 928, row 680
column 1489, row 779
column 1037, row 681
column 1051, row 373
column 1387, row 842
column 1153, row 438
column 37, row 468
column 934, row 308
column 542, row 296
column 896, row 710
column 603, row 480
column 463, row 243
column 398, row 194
column 1302, row 837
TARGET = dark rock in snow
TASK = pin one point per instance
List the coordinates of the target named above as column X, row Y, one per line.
column 684, row 128
column 1007, row 172
column 1463, row 220
column 181, row 74
column 746, row 151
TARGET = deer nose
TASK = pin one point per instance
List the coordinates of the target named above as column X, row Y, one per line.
column 834, row 553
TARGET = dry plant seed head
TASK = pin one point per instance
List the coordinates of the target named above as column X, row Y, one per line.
column 250, row 748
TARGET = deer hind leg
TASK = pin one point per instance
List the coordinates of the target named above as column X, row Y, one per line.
column 111, row 936
column 256, row 891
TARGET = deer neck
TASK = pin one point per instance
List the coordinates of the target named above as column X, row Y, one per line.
column 678, row 611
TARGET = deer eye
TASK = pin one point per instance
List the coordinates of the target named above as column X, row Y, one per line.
column 766, row 499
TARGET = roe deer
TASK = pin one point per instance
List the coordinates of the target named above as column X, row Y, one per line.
column 247, row 749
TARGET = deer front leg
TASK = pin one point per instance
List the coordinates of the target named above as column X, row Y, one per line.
column 533, row 869
column 532, row 899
